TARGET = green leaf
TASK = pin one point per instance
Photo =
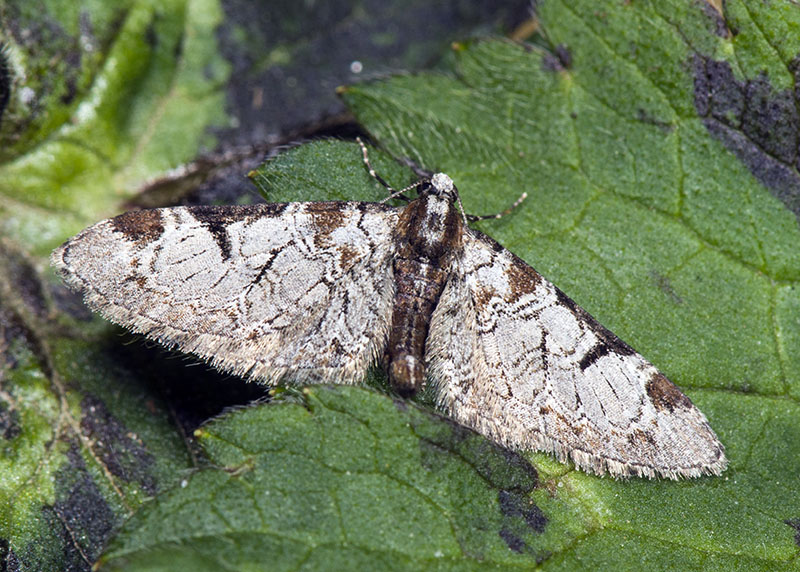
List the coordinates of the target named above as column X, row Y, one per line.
column 132, row 109
column 78, row 455
column 645, row 207
column 344, row 476
column 658, row 208
column 669, row 213
column 108, row 94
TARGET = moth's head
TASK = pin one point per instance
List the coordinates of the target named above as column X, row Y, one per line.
column 441, row 185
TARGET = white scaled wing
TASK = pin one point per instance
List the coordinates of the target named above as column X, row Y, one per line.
column 515, row 359
column 266, row 290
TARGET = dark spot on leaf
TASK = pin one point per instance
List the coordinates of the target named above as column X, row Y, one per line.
column 558, row 60
column 501, row 467
column 564, row 55
column 72, row 58
column 515, row 543
column 140, row 226
column 19, row 342
column 177, row 54
column 664, row 395
column 650, row 119
column 794, row 523
column 521, row 475
column 150, row 35
column 719, row 25
column 24, row 281
column 514, row 504
column 9, row 422
column 118, row 449
column 9, row 330
column 8, row 560
column 433, row 446
column 5, row 80
column 70, row 93
column 665, row 285
column 80, row 512
column 757, row 123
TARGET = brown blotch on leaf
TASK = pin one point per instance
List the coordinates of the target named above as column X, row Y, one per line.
column 140, row 226
column 665, row 395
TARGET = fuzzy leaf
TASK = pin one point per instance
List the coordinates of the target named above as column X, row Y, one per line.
column 107, row 94
column 658, row 144
column 143, row 88
column 342, row 476
column 632, row 192
column 660, row 158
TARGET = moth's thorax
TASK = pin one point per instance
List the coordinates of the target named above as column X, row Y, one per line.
column 430, row 228
column 429, row 238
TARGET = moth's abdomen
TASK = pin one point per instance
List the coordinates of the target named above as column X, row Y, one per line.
column 418, row 289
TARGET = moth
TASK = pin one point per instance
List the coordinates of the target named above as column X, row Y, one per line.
column 317, row 292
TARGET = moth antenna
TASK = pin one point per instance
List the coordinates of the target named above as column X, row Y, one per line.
column 399, row 194
column 393, row 193
column 474, row 218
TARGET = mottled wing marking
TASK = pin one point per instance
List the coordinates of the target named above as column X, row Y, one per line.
column 249, row 288
column 515, row 359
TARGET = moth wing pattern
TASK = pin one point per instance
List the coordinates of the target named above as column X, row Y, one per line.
column 515, row 359
column 248, row 288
